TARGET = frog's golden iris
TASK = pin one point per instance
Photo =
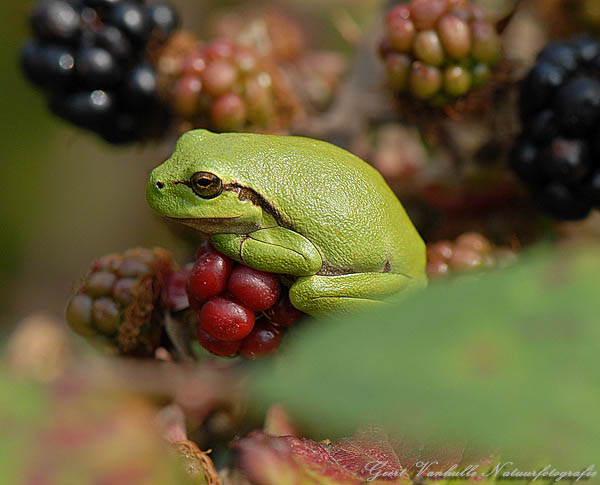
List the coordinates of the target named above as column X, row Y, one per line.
column 206, row 185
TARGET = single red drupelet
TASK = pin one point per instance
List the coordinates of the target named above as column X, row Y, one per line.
column 216, row 346
column 255, row 289
column 226, row 319
column 283, row 313
column 209, row 276
column 263, row 340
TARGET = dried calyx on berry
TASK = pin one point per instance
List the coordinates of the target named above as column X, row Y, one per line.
column 557, row 155
column 92, row 58
column 439, row 50
column 121, row 303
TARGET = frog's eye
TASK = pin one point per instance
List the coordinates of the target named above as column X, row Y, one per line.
column 206, row 185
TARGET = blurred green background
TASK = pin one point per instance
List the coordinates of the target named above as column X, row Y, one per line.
column 66, row 196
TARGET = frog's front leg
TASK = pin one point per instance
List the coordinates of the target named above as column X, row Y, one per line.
column 318, row 294
column 275, row 250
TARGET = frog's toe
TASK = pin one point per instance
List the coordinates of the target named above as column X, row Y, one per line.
column 322, row 295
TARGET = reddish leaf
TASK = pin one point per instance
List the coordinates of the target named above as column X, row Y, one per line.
column 278, row 422
column 370, row 456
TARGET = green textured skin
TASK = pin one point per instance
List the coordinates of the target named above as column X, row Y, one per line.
column 333, row 205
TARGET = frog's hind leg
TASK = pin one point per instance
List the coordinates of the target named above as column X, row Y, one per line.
column 318, row 295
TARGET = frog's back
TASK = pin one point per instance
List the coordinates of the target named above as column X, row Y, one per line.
column 332, row 197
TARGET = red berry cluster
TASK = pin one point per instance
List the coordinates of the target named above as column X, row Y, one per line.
column 241, row 310
column 221, row 85
column 470, row 252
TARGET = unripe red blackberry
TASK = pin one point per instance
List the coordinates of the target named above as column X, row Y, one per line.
column 238, row 309
column 469, row 253
column 438, row 50
column 223, row 86
column 92, row 59
column 264, row 340
column 122, row 301
column 557, row 154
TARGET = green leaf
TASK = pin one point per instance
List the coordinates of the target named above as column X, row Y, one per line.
column 71, row 432
column 509, row 361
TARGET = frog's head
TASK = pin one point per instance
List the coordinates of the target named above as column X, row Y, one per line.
column 201, row 186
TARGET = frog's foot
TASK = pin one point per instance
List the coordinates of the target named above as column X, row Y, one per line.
column 319, row 295
column 275, row 250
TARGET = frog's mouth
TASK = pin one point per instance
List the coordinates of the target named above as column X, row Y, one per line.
column 215, row 225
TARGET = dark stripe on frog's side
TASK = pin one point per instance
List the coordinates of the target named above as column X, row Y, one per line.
column 257, row 199
column 328, row 269
column 246, row 193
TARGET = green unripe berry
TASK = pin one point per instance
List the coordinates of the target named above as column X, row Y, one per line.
column 123, row 290
column 100, row 284
column 455, row 36
column 79, row 315
column 428, row 48
column 259, row 99
column 425, row 80
column 457, row 81
column 132, row 268
column 486, row 43
column 106, row 315
column 398, row 69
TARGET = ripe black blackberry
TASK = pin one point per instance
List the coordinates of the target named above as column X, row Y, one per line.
column 558, row 153
column 91, row 59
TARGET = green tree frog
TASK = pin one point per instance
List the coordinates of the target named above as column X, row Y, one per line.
column 294, row 206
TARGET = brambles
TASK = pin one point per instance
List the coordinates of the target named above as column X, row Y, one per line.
column 470, row 252
column 239, row 308
column 121, row 302
column 91, row 59
column 557, row 153
column 438, row 50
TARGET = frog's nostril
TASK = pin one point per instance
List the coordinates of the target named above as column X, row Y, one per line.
column 160, row 185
